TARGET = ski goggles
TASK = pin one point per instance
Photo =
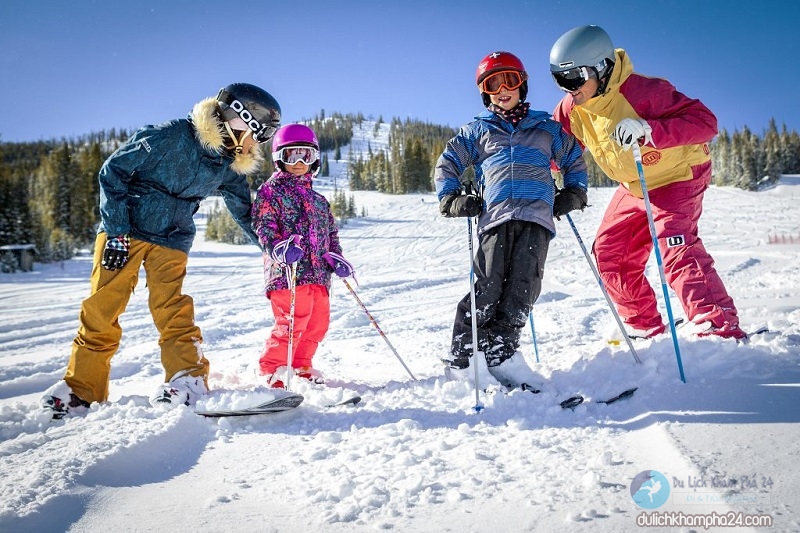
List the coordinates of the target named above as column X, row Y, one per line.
column 573, row 79
column 510, row 79
column 261, row 132
column 292, row 154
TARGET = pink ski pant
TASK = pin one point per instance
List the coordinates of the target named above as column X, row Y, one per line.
column 311, row 320
column 623, row 245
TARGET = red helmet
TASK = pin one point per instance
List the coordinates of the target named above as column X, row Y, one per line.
column 497, row 61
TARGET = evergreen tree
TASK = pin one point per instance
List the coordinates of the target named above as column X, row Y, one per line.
column 325, row 169
column 790, row 151
column 51, row 203
column 351, row 206
column 721, row 158
column 85, row 194
column 221, row 227
column 773, row 167
column 339, row 207
column 744, row 160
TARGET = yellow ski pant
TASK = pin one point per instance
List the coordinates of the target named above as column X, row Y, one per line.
column 99, row 333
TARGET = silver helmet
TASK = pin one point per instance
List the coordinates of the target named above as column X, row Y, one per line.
column 582, row 52
column 584, row 46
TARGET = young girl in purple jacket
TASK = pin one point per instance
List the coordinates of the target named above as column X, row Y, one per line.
column 296, row 229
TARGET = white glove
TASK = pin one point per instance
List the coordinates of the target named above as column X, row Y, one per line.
column 630, row 130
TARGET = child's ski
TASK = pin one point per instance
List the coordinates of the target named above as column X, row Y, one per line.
column 574, row 401
column 621, row 396
column 278, row 405
column 353, row 400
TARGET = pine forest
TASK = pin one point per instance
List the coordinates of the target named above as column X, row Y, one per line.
column 49, row 189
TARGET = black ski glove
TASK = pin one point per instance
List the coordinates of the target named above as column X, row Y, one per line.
column 468, row 205
column 116, row 253
column 569, row 199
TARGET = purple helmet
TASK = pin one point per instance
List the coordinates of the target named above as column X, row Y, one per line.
column 294, row 134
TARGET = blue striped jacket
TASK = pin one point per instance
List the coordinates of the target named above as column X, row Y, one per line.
column 512, row 167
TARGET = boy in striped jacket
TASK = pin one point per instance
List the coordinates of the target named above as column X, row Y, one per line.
column 511, row 149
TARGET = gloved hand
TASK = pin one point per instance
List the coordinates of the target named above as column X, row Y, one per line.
column 116, row 253
column 340, row 266
column 287, row 251
column 468, row 205
column 569, row 199
column 630, row 130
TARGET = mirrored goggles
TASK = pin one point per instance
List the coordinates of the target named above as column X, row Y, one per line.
column 573, row 79
column 510, row 79
column 292, row 154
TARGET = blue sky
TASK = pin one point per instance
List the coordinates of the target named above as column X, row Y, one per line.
column 72, row 67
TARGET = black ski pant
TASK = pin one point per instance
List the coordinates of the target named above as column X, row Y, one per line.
column 509, row 266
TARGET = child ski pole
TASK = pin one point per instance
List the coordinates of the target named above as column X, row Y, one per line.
column 473, row 309
column 533, row 334
column 375, row 323
column 637, row 156
column 603, row 288
column 289, row 350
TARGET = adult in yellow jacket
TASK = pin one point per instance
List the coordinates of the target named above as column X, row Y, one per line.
column 608, row 107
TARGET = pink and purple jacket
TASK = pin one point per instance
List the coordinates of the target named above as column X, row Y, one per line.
column 286, row 205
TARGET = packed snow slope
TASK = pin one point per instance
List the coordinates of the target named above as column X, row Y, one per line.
column 414, row 455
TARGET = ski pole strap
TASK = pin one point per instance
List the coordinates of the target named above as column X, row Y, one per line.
column 341, row 266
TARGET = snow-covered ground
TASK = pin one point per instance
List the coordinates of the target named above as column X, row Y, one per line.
column 414, row 456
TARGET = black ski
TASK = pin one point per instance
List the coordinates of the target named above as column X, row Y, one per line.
column 353, row 400
column 278, row 405
column 570, row 403
column 621, row 396
column 574, row 401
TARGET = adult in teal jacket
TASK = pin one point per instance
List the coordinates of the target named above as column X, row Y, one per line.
column 150, row 188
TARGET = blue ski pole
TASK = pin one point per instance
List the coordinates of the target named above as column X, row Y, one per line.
column 533, row 334
column 637, row 156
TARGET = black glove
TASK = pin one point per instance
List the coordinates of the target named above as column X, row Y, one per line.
column 116, row 253
column 569, row 199
column 468, row 205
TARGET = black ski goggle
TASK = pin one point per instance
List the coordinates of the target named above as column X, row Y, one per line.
column 261, row 132
column 573, row 79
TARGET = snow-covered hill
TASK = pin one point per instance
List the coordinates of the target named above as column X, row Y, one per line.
column 415, row 456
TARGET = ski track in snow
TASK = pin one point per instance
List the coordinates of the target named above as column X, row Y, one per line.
column 412, row 455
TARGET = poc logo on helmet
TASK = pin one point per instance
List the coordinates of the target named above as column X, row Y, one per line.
column 245, row 115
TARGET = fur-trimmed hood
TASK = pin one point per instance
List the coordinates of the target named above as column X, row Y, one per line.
column 210, row 132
